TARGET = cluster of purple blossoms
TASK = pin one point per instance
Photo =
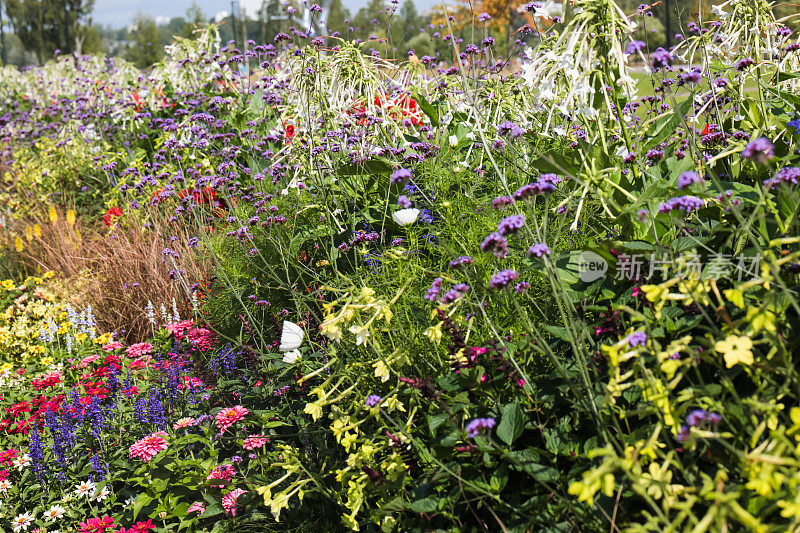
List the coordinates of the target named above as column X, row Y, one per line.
column 372, row 400
column 684, row 203
column 637, row 338
column 435, row 289
column 476, row 426
column 743, row 64
column 483, row 17
column 634, row 46
column 496, row 244
column 511, row 224
column 546, row 183
column 403, row 201
column 462, row 261
column 694, row 76
column 759, row 150
column 509, row 128
column 795, row 125
column 502, row 278
column 501, row 202
column 539, row 250
column 688, row 178
column 456, row 293
column 698, row 418
column 661, row 58
column 784, row 175
column 401, row 175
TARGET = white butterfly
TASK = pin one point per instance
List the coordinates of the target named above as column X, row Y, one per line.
column 405, row 217
column 291, row 337
column 291, row 357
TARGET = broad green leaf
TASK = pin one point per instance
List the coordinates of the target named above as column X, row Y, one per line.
column 512, row 422
column 142, row 500
column 666, row 124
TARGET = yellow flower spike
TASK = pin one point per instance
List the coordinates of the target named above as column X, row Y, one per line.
column 52, row 214
column 736, row 349
column 434, row 333
column 761, row 318
column 71, row 217
column 381, row 370
column 735, row 296
column 394, row 404
column 37, row 231
column 19, row 245
column 28, row 233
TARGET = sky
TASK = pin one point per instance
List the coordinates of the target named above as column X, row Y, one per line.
column 118, row 13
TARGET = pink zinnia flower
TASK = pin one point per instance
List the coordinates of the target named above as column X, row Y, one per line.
column 183, row 422
column 190, row 382
column 196, row 507
column 96, row 525
column 179, row 329
column 229, row 501
column 254, row 441
column 229, row 416
column 225, row 472
column 142, row 362
column 148, row 447
column 139, row 527
column 111, row 346
column 140, row 349
column 87, row 360
column 200, row 338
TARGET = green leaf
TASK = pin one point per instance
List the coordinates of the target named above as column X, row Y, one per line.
column 559, row 332
column 499, row 478
column 142, row 500
column 373, row 166
column 427, row 108
column 511, row 424
column 425, row 505
column 436, row 421
column 666, row 124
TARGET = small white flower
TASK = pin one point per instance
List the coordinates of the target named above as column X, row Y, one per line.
column 291, row 357
column 404, row 217
column 22, row 461
column 718, row 11
column 56, row 512
column 452, row 140
column 102, row 494
column 5, row 485
column 84, row 488
column 361, row 333
column 22, row 521
column 291, row 336
column 129, row 501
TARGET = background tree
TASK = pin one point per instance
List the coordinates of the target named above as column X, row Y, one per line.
column 145, row 47
column 44, row 26
column 334, row 19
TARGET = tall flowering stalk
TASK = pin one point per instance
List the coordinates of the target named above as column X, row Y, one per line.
column 568, row 70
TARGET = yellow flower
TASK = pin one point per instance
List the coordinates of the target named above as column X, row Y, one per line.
column 46, row 361
column 80, row 337
column 71, row 217
column 736, row 350
column 314, row 409
column 19, row 245
column 51, row 212
column 37, row 230
column 434, row 333
column 381, row 371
